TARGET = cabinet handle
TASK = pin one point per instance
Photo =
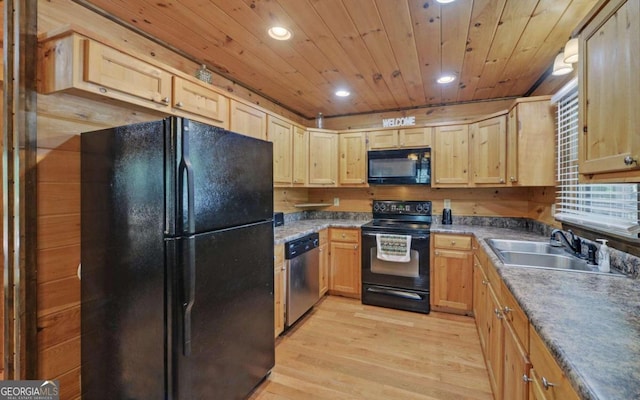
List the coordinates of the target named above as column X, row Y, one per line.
column 485, row 282
column 165, row 100
column 546, row 383
column 453, row 242
column 179, row 104
column 628, row 160
column 497, row 313
column 526, row 379
column 506, row 309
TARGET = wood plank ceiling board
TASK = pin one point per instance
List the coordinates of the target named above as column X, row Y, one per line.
column 367, row 20
column 388, row 53
column 512, row 23
column 542, row 22
column 455, row 30
column 425, row 18
column 396, row 18
column 482, row 27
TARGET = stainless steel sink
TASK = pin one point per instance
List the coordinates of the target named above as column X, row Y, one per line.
column 521, row 253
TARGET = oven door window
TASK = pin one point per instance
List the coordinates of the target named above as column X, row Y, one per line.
column 409, row 269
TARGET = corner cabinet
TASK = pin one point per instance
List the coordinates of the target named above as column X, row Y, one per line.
column 450, row 156
column 609, row 122
column 344, row 255
column 323, row 158
column 452, row 274
column 352, row 160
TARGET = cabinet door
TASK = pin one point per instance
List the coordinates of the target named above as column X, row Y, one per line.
column 279, row 132
column 324, row 268
column 200, row 100
column 248, row 120
column 480, row 283
column 548, row 370
column 386, row 139
column 323, row 158
column 415, row 137
column 494, row 343
column 452, row 280
column 344, row 277
column 279, row 289
column 353, row 159
column 300, row 156
column 450, row 156
column 512, row 146
column 609, row 138
column 114, row 70
column 489, row 151
column 516, row 365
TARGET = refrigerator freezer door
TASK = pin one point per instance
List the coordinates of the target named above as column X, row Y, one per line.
column 224, row 179
column 224, row 289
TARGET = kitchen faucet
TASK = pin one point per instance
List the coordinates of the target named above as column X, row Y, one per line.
column 575, row 245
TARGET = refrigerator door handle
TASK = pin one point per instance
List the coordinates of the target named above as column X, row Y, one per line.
column 185, row 170
column 189, row 280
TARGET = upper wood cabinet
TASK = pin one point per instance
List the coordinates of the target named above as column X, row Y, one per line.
column 248, row 120
column 489, row 151
column 280, row 132
column 72, row 62
column 300, row 156
column 450, row 156
column 400, row 138
column 192, row 98
column 353, row 159
column 323, row 158
column 609, row 122
column 531, row 126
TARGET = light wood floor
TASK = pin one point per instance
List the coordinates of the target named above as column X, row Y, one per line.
column 346, row 350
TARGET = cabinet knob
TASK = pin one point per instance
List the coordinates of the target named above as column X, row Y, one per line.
column 546, row 383
column 284, row 268
column 179, row 104
column 501, row 180
column 453, row 242
column 628, row 160
column 333, row 182
column 497, row 313
column 344, row 236
column 485, row 282
column 526, row 379
column 512, row 178
column 437, row 180
column 355, row 247
column 506, row 309
column 165, row 100
column 437, row 253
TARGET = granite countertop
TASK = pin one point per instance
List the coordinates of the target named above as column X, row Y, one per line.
column 589, row 322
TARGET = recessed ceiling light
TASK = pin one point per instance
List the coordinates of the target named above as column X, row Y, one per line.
column 446, row 79
column 342, row 93
column 280, row 33
column 445, row 1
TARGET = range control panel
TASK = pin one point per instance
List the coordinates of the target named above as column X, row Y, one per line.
column 393, row 207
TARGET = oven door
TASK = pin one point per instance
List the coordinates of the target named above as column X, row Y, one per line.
column 412, row 275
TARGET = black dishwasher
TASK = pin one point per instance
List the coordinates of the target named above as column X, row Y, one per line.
column 303, row 280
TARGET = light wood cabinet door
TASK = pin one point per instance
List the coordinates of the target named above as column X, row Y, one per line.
column 280, row 133
column 415, row 137
column 494, row 342
column 353, row 159
column 547, row 370
column 279, row 289
column 323, row 158
column 324, row 261
column 489, row 151
column 609, row 122
column 113, row 70
column 300, row 156
column 248, row 120
column 480, row 307
column 452, row 280
column 384, row 139
column 450, row 156
column 344, row 262
column 516, row 366
column 197, row 99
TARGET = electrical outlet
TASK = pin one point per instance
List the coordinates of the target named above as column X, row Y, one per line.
column 336, row 201
column 447, row 203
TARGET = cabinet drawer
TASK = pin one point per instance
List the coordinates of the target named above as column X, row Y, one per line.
column 547, row 368
column 324, row 236
column 345, row 235
column 278, row 255
column 457, row 242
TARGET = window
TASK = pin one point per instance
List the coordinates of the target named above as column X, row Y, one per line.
column 609, row 208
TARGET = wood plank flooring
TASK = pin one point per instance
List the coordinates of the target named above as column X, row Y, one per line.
column 346, row 350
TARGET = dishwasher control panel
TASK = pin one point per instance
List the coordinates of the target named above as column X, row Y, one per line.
column 300, row 246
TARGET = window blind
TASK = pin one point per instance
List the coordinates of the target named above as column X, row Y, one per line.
column 611, row 208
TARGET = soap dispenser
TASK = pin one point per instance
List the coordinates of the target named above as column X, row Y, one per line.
column 603, row 256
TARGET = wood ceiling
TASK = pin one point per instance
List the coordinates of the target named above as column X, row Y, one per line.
column 387, row 53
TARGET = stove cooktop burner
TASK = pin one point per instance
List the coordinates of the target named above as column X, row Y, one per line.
column 401, row 217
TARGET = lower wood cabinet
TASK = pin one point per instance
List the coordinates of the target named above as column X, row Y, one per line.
column 452, row 274
column 324, row 261
column 344, row 256
column 279, row 289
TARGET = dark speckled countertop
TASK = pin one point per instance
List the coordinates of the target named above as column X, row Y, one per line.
column 590, row 322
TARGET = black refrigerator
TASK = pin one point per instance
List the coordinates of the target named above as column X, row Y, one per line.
column 177, row 262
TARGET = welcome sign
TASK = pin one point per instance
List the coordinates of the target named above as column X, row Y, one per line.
column 403, row 121
column 29, row 390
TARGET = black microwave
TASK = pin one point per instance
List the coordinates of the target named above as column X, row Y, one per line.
column 400, row 167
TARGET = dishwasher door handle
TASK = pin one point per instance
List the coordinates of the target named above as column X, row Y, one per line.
column 395, row 293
